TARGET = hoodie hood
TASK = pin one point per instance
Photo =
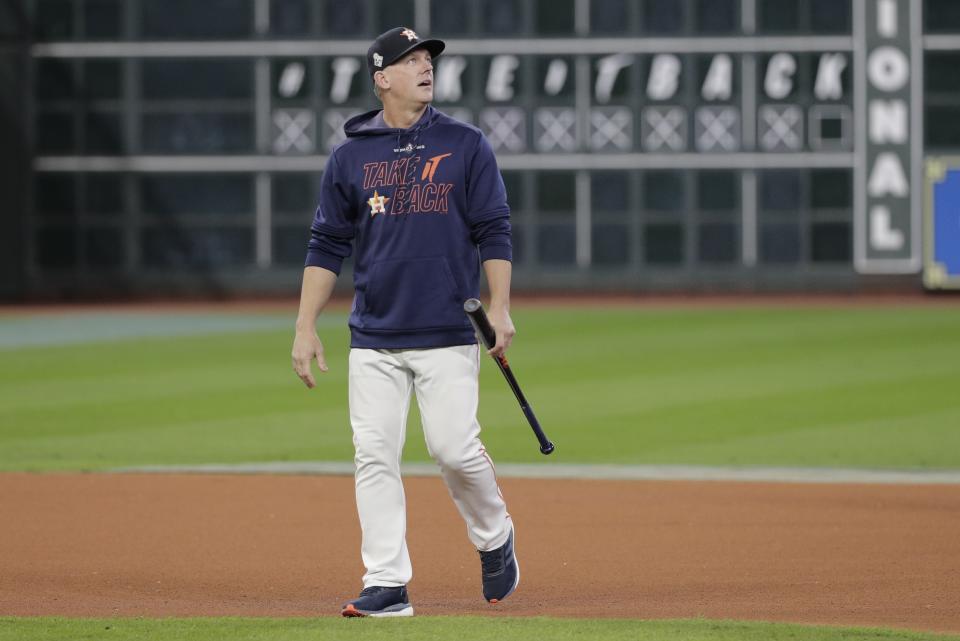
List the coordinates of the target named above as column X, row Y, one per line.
column 371, row 123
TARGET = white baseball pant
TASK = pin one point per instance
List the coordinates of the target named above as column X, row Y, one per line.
column 446, row 385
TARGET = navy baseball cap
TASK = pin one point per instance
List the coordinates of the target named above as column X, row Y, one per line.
column 392, row 45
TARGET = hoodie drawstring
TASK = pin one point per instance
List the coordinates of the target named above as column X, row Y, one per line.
column 412, row 145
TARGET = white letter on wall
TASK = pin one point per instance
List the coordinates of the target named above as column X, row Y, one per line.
column 556, row 77
column 887, row 18
column 829, row 84
column 718, row 85
column 888, row 121
column 882, row 234
column 664, row 77
column 500, row 80
column 607, row 70
column 343, row 71
column 888, row 178
column 448, row 87
column 888, row 69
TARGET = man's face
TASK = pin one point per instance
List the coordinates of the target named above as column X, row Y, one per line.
column 411, row 77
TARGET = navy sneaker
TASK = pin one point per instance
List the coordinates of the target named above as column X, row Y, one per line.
column 501, row 572
column 379, row 601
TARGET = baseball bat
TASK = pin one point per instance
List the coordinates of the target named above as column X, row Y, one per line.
column 478, row 318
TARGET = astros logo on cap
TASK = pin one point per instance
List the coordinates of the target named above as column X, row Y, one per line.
column 410, row 34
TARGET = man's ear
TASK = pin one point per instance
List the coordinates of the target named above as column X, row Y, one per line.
column 381, row 79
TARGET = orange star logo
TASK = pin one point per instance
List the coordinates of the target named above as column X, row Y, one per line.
column 377, row 204
column 410, row 34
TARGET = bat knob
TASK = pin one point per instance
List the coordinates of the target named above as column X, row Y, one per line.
column 546, row 449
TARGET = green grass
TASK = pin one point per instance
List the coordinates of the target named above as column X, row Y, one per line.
column 424, row 628
column 812, row 386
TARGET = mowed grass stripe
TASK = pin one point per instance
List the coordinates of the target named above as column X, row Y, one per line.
column 670, row 423
column 430, row 628
column 855, row 387
column 672, row 395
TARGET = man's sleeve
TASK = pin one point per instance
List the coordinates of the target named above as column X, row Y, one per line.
column 487, row 211
column 331, row 234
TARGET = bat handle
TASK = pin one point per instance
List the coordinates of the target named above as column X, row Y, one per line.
column 474, row 310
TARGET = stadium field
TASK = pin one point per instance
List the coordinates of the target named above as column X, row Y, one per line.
column 822, row 386
column 819, row 386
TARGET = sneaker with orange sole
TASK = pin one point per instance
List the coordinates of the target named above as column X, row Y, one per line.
column 501, row 572
column 379, row 601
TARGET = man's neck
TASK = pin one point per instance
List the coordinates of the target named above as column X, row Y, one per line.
column 402, row 118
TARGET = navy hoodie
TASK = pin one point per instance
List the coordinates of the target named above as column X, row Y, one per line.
column 422, row 208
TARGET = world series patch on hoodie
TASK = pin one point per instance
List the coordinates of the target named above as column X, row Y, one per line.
column 419, row 209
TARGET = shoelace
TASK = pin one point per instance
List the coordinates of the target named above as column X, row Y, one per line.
column 492, row 561
column 373, row 589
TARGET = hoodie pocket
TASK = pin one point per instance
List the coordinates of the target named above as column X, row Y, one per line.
column 412, row 294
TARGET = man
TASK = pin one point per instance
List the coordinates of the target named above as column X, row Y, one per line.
column 418, row 197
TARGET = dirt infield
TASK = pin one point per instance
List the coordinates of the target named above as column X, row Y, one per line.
column 158, row 545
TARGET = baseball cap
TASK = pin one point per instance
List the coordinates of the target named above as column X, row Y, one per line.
column 392, row 45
